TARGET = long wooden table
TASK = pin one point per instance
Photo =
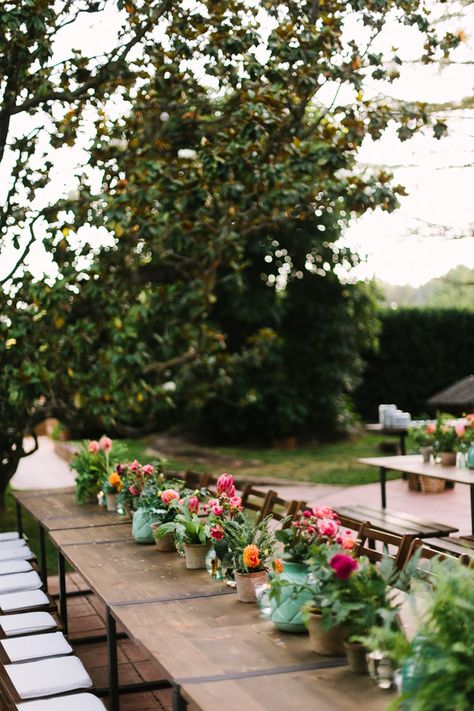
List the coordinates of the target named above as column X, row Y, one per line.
column 217, row 651
column 413, row 464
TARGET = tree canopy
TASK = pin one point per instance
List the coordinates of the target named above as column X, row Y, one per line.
column 233, row 153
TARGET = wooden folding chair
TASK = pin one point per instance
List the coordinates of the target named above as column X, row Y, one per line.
column 427, row 553
column 257, row 500
column 281, row 509
column 368, row 538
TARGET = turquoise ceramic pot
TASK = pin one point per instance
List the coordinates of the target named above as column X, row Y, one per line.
column 470, row 457
column 141, row 526
column 286, row 609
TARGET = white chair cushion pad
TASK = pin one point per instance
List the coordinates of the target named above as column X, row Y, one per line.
column 77, row 702
column 19, row 582
column 19, row 553
column 23, row 600
column 9, row 536
column 12, row 543
column 14, row 625
column 38, row 646
column 48, row 676
column 8, row 567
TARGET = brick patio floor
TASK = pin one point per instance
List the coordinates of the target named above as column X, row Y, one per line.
column 86, row 618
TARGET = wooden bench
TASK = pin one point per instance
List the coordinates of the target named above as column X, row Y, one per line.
column 451, row 547
column 396, row 522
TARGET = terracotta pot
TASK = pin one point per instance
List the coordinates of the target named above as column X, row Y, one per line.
column 195, row 555
column 357, row 657
column 165, row 544
column 426, row 453
column 111, row 502
column 329, row 643
column 448, row 459
column 247, row 582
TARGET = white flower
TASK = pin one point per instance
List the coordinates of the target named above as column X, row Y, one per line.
column 342, row 174
column 119, row 143
column 164, row 116
column 169, row 387
column 73, row 195
column 187, row 153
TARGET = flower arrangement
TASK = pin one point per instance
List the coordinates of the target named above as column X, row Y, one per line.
column 185, row 524
column 138, row 479
column 316, row 526
column 449, row 434
column 423, row 436
column 113, row 484
column 93, row 463
column 249, row 543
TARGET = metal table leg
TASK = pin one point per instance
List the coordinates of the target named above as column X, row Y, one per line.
column 383, row 488
column 19, row 519
column 112, row 661
column 43, row 560
column 62, row 590
column 179, row 703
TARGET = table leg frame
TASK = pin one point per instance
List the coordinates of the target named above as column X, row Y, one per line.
column 19, row 518
column 43, row 559
column 179, row 702
column 383, row 486
column 62, row 590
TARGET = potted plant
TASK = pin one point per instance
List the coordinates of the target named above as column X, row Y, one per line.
column 165, row 512
column 288, row 594
column 250, row 545
column 449, row 436
column 224, row 507
column 422, row 438
column 92, row 463
column 135, row 478
column 189, row 530
column 111, row 488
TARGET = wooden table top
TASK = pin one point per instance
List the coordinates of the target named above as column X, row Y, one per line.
column 57, row 510
column 413, row 464
column 376, row 427
column 120, row 532
column 322, row 689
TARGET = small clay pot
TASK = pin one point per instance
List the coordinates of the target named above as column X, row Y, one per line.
column 165, row 544
column 328, row 643
column 195, row 555
column 111, row 502
column 357, row 657
column 247, row 582
column 448, row 459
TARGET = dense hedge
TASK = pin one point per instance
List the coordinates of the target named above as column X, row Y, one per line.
column 422, row 351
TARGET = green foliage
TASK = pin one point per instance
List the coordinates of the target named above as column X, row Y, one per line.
column 242, row 531
column 93, row 468
column 454, row 290
column 420, row 436
column 187, row 527
column 421, row 351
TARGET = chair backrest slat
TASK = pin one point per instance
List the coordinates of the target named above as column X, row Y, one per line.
column 368, row 538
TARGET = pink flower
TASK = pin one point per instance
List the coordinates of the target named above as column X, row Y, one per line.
column 133, row 490
column 193, row 504
column 311, row 529
column 348, row 543
column 460, row 429
column 217, row 532
column 235, row 502
column 168, row 495
column 326, row 527
column 307, row 513
column 148, row 470
column 134, row 466
column 343, row 565
column 217, row 510
column 430, row 428
column 327, row 512
column 105, row 443
column 226, row 486
column 93, row 446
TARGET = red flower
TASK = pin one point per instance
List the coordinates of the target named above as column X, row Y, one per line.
column 193, row 504
column 217, row 532
column 226, row 486
column 343, row 565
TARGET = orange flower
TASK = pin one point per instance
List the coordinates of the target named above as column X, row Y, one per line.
column 278, row 565
column 250, row 556
column 114, row 479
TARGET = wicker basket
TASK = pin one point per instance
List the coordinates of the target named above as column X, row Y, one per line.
column 414, row 482
column 432, row 485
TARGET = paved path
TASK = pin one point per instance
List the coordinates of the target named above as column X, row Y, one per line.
column 43, row 469
column 46, row 470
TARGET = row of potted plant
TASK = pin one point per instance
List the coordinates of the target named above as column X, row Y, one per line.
column 444, row 438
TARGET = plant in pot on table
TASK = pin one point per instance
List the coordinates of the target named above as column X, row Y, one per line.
column 422, row 438
column 224, row 507
column 151, row 505
column 94, row 461
column 449, row 437
column 190, row 531
column 165, row 511
column 111, row 487
column 135, row 477
column 250, row 544
column 290, row 588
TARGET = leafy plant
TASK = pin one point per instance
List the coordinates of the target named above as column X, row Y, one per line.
column 93, row 464
column 250, row 543
column 423, row 436
column 449, row 434
column 186, row 526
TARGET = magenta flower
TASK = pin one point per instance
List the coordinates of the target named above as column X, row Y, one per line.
column 235, row 502
column 226, row 486
column 307, row 513
column 193, row 504
column 343, row 565
column 105, row 443
column 148, row 470
column 217, row 533
column 93, row 446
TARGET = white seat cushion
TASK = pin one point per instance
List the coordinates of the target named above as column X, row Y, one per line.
column 12, row 543
column 20, row 581
column 19, row 553
column 76, row 702
column 38, row 646
column 27, row 622
column 48, row 676
column 9, row 536
column 8, row 567
column 27, row 600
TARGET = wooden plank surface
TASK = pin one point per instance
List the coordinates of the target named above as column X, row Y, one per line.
column 116, row 533
column 395, row 521
column 319, row 690
column 214, row 636
column 413, row 464
column 57, row 509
